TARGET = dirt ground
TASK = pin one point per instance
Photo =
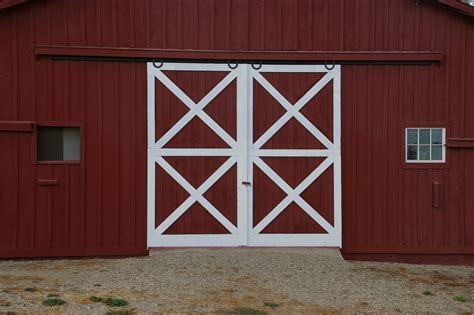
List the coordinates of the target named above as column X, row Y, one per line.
column 233, row 281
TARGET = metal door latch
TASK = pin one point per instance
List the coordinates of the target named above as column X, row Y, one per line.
column 247, row 184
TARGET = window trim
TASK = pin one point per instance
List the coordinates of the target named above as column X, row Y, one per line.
column 418, row 161
column 34, row 142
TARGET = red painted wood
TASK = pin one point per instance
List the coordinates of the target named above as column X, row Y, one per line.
column 293, row 135
column 25, row 126
column 99, row 207
column 196, row 134
column 460, row 143
column 47, row 182
column 437, row 259
column 286, row 54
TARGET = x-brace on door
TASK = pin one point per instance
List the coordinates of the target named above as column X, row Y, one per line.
column 244, row 156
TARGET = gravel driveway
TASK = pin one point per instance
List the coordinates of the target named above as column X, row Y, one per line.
column 234, row 281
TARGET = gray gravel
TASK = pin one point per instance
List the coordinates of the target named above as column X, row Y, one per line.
column 220, row 281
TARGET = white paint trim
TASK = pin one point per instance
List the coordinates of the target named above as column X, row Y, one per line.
column 295, row 240
column 293, row 195
column 292, row 110
column 197, row 240
column 194, row 152
column 332, row 154
column 443, row 146
column 195, row 109
column 244, row 153
column 294, row 68
column 196, row 195
column 242, row 164
column 294, row 153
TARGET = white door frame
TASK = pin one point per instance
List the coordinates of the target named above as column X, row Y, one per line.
column 236, row 154
column 332, row 153
column 246, row 155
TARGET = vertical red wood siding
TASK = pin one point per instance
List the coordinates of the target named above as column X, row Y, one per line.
column 99, row 206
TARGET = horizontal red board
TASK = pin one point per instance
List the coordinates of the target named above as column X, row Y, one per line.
column 16, row 126
column 460, row 143
column 87, row 51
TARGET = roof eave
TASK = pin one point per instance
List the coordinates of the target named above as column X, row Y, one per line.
column 10, row 3
column 458, row 6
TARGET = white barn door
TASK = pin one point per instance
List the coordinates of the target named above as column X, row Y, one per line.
column 244, row 156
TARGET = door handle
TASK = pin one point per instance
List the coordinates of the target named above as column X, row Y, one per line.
column 247, row 184
column 47, row 182
column 436, row 194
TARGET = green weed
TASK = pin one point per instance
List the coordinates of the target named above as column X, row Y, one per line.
column 53, row 302
column 271, row 305
column 459, row 298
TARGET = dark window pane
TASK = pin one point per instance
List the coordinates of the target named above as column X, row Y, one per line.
column 58, row 144
column 424, row 136
column 412, row 153
column 424, row 152
column 437, row 153
column 437, row 136
column 50, row 144
column 412, row 136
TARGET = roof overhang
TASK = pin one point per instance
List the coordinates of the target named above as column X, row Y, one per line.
column 9, row 3
column 458, row 6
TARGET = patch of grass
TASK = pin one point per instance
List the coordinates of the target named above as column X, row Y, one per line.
column 246, row 311
column 271, row 305
column 115, row 302
column 459, row 298
column 427, row 293
column 111, row 302
column 31, row 289
column 53, row 302
column 96, row 299
column 121, row 312
column 53, row 295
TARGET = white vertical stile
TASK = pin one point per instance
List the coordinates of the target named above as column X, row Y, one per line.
column 150, row 160
column 249, row 143
column 242, row 137
column 150, row 201
column 338, row 200
column 337, row 106
column 151, row 105
column 337, row 160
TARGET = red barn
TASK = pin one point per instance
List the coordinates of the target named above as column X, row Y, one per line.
column 128, row 125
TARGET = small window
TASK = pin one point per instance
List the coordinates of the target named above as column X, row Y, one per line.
column 58, row 144
column 425, row 145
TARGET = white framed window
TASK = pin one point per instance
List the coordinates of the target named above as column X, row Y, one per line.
column 425, row 145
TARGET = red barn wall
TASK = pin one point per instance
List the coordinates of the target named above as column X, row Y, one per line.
column 99, row 207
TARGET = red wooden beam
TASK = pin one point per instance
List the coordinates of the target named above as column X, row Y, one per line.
column 17, row 126
column 460, row 143
column 75, row 51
